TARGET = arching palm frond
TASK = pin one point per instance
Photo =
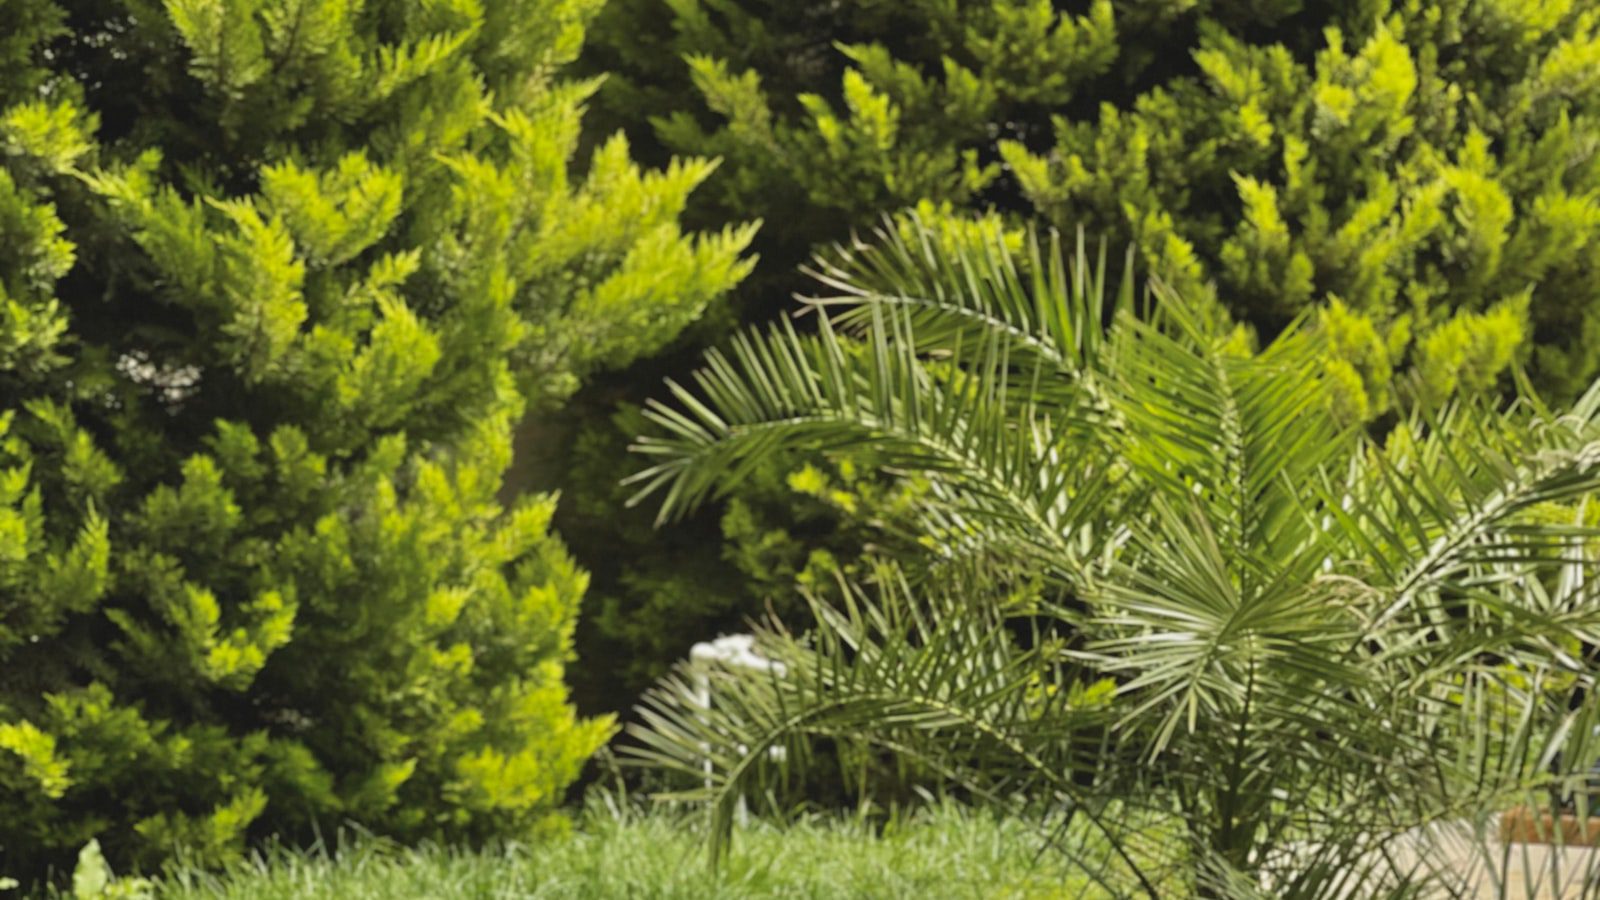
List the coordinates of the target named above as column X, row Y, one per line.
column 937, row 389
column 1201, row 414
column 1041, row 300
column 905, row 672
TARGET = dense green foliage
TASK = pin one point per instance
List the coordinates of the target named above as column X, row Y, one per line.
column 1423, row 174
column 1413, row 160
column 1164, row 581
column 277, row 278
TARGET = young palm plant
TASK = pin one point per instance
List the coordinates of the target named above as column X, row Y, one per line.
column 1260, row 649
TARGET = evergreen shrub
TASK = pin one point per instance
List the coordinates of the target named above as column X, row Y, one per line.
column 277, row 280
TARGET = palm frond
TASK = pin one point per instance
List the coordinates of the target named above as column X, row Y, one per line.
column 1447, row 502
column 1006, row 457
column 964, row 286
column 896, row 671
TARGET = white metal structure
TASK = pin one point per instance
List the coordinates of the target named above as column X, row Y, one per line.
column 738, row 651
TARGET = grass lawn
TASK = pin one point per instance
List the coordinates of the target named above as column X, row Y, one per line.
column 946, row 852
column 943, row 853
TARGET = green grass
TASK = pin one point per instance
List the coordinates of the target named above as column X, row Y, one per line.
column 947, row 852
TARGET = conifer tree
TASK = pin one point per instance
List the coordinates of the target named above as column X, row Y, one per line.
column 1405, row 161
column 277, row 279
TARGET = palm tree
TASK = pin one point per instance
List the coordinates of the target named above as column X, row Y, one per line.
column 1268, row 651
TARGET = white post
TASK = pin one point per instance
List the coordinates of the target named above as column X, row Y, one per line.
column 736, row 650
